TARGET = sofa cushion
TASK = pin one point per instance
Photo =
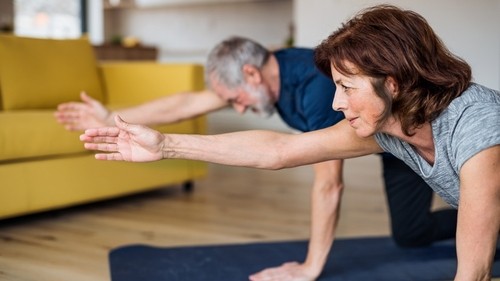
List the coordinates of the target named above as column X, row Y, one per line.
column 41, row 73
column 29, row 134
column 1, row 103
column 33, row 134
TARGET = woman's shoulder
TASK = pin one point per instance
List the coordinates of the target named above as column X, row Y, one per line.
column 471, row 123
column 475, row 99
column 477, row 94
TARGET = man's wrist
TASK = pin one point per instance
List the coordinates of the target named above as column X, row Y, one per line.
column 110, row 118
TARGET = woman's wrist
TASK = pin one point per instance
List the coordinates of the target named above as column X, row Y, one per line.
column 314, row 267
column 167, row 152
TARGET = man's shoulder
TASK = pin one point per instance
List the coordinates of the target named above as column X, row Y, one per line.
column 293, row 52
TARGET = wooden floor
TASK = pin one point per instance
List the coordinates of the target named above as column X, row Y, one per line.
column 231, row 205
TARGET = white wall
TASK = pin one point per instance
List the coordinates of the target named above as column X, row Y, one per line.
column 95, row 21
column 470, row 29
column 188, row 32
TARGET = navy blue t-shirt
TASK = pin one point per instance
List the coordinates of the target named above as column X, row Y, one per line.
column 306, row 94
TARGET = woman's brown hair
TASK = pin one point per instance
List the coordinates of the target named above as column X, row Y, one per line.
column 386, row 41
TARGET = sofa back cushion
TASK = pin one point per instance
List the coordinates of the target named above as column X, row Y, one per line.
column 41, row 73
column 128, row 83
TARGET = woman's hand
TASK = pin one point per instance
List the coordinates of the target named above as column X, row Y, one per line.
column 290, row 271
column 125, row 142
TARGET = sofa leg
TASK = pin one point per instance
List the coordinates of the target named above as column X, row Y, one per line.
column 188, row 186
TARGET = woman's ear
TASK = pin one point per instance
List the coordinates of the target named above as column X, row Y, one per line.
column 252, row 74
column 392, row 86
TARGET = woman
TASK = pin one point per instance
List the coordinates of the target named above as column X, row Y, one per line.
column 402, row 92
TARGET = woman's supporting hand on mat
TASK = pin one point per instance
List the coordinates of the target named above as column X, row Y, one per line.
column 290, row 271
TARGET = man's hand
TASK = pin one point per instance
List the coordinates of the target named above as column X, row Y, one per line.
column 290, row 271
column 126, row 142
column 79, row 116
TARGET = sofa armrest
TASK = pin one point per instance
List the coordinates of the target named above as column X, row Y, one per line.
column 129, row 83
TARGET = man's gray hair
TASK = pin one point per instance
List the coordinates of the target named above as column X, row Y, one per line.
column 225, row 61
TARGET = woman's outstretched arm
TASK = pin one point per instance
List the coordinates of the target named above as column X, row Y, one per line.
column 258, row 149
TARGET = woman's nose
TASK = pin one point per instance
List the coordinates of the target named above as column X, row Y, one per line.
column 339, row 101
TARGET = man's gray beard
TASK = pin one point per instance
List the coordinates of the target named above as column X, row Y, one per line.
column 267, row 111
column 264, row 108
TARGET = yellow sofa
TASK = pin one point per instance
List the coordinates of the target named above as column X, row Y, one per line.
column 44, row 167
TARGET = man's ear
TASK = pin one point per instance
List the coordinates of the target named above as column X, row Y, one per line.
column 392, row 86
column 252, row 74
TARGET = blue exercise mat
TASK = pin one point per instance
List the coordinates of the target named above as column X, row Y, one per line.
column 376, row 258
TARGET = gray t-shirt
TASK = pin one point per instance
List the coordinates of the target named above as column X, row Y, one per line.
column 470, row 124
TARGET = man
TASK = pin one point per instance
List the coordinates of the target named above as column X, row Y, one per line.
column 245, row 75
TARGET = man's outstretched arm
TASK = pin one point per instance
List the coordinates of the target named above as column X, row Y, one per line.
column 90, row 113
